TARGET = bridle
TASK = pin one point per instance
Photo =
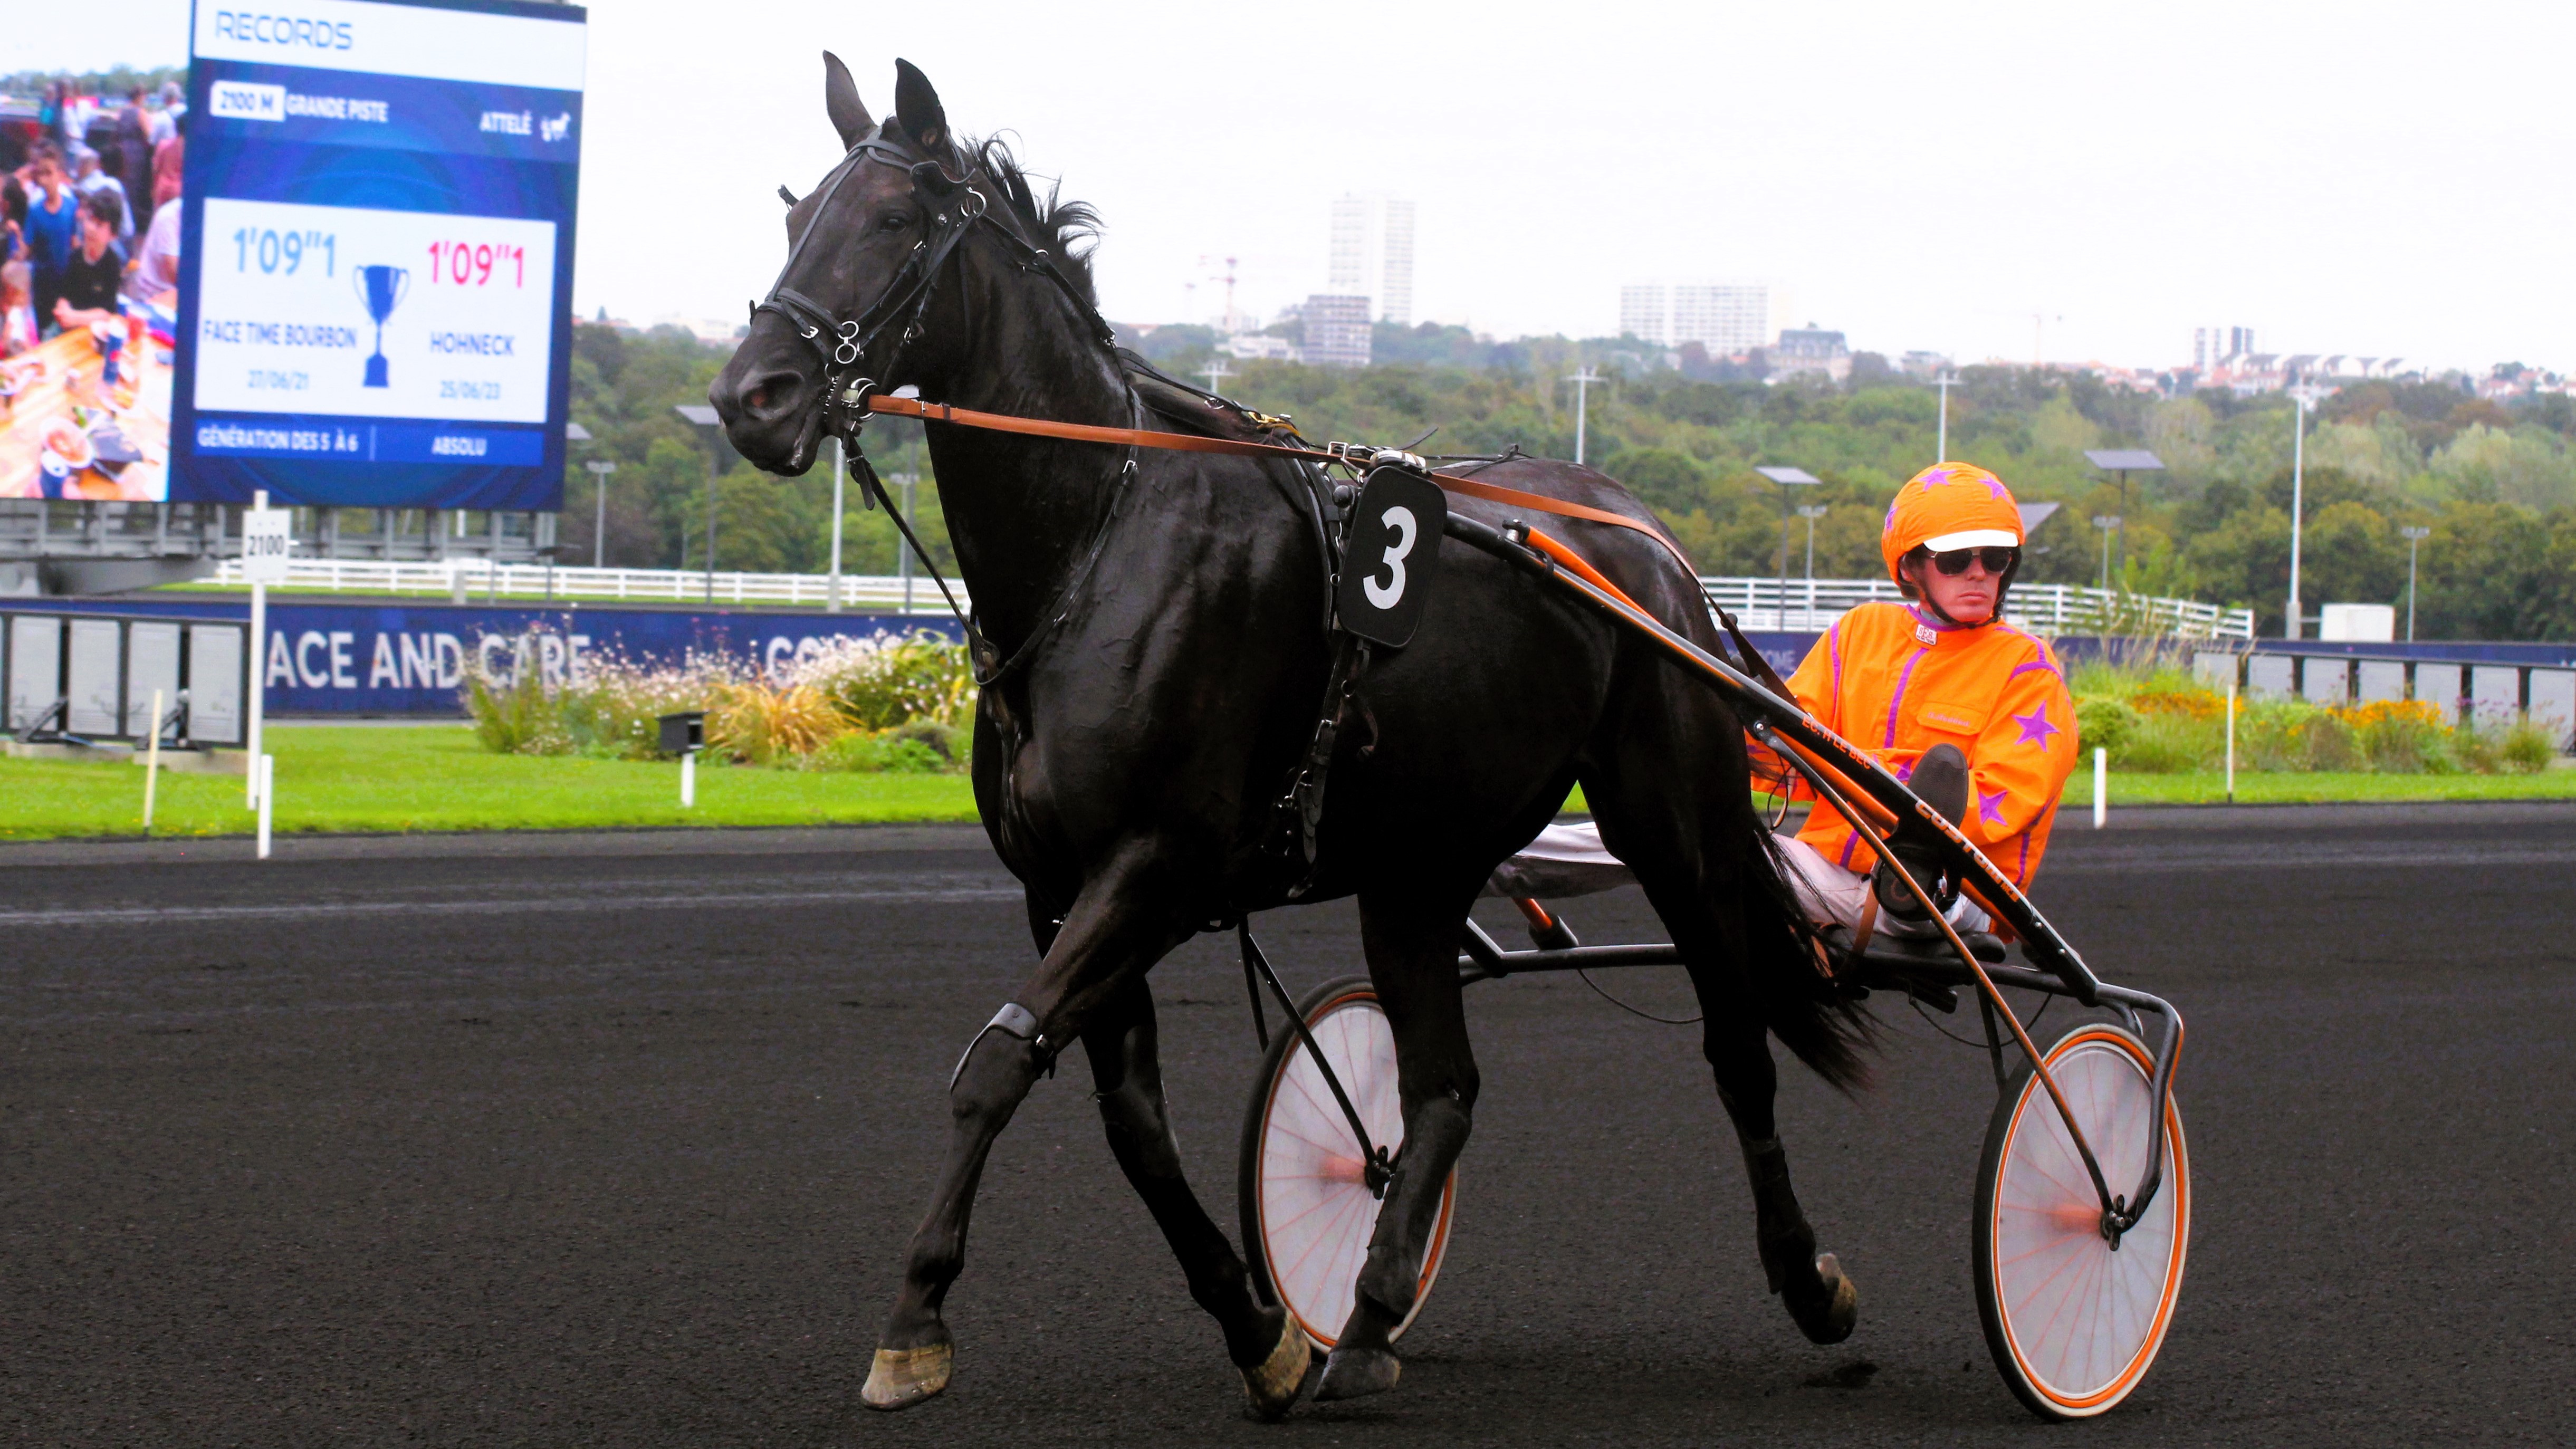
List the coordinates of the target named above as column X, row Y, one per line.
column 845, row 345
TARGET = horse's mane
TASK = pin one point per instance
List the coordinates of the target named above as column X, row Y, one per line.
column 1048, row 221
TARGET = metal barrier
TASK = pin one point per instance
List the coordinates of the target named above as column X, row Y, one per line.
column 1760, row 603
column 2049, row 610
column 79, row 677
column 2464, row 689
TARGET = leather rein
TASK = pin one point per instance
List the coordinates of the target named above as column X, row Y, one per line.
column 1355, row 456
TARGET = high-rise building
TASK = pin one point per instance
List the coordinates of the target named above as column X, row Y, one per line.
column 1337, row 330
column 1644, row 313
column 2212, row 346
column 1372, row 254
column 1724, row 318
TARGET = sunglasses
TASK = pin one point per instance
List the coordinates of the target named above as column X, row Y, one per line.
column 1955, row 561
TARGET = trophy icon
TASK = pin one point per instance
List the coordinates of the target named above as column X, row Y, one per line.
column 382, row 289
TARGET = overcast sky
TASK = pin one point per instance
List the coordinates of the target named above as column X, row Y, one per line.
column 2340, row 177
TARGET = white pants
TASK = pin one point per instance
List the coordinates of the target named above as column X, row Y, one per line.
column 1827, row 892
column 1567, row 860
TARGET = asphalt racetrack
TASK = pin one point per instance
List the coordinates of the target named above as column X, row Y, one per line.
column 616, row 1140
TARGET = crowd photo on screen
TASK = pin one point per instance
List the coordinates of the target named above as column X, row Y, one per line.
column 89, row 273
column 68, row 156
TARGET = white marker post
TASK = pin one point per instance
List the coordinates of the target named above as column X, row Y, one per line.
column 265, row 546
column 265, row 772
column 689, row 780
column 152, row 762
column 2101, row 788
column 2231, row 732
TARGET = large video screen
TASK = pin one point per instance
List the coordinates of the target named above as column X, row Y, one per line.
column 376, row 288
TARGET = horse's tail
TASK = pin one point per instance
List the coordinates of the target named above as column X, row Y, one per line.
column 1811, row 1016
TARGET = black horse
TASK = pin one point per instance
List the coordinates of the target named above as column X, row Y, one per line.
column 1159, row 647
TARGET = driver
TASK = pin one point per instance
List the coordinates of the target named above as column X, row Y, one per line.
column 1970, row 712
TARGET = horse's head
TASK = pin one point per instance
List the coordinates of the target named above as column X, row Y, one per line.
column 867, row 249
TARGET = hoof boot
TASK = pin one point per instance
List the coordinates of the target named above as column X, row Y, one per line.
column 1270, row 1387
column 903, row 1377
column 1829, row 1315
column 1356, row 1373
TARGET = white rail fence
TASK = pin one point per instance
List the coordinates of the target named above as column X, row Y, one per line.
column 1759, row 603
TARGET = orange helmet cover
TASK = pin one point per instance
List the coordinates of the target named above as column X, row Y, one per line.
column 1947, row 506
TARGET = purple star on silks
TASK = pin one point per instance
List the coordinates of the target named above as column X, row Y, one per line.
column 1990, row 808
column 1935, row 477
column 1994, row 488
column 2035, row 728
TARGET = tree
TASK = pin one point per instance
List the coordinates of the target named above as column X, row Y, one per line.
column 2486, row 574
column 2349, row 554
column 1667, row 480
column 2246, row 561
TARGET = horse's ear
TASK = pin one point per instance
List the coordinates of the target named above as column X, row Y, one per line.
column 841, row 101
column 917, row 106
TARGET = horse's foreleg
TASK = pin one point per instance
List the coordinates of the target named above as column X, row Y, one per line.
column 1127, row 1081
column 1413, row 962
column 1823, row 1301
column 1106, row 942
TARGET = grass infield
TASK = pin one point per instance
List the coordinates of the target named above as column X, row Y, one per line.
column 438, row 777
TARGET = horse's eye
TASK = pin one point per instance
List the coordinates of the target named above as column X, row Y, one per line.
column 893, row 221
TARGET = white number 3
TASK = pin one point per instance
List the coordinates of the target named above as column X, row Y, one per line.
column 1401, row 520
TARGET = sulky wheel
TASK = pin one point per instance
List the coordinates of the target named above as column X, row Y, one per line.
column 2074, row 1321
column 1307, row 1209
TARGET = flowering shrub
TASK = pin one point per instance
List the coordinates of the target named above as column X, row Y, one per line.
column 884, row 703
column 2159, row 720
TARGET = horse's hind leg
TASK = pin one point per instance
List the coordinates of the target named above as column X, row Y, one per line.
column 1413, row 962
column 1820, row 1298
column 1692, row 839
column 1127, row 1078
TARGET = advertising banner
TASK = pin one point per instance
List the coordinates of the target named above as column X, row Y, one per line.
column 374, row 305
column 402, row 658
column 394, row 659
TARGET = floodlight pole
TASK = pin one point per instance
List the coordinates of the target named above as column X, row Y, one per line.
column 704, row 418
column 2414, row 539
column 2298, row 492
column 599, row 469
column 1941, row 446
column 2107, row 523
column 902, row 555
column 1811, row 513
column 1583, row 380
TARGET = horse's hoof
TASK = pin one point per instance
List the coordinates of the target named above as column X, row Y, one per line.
column 1830, row 1316
column 1271, row 1386
column 903, row 1377
column 1356, row 1373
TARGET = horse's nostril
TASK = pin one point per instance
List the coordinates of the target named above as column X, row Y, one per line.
column 759, row 397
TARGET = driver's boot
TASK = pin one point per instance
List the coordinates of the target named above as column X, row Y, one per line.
column 1940, row 780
